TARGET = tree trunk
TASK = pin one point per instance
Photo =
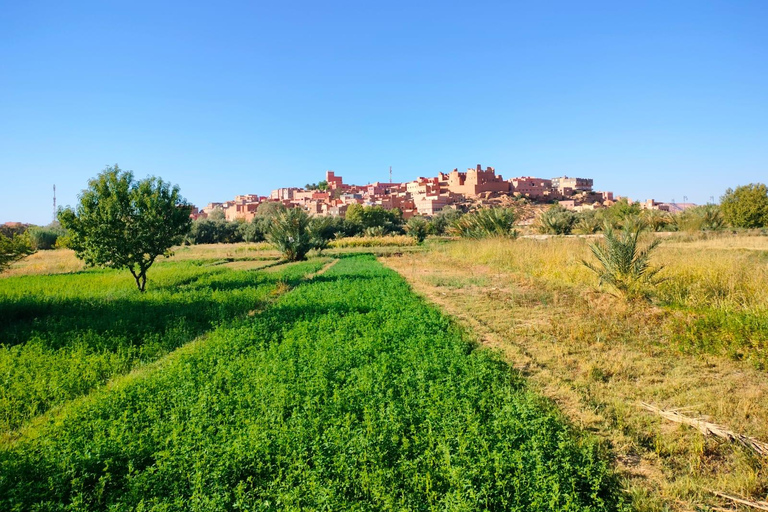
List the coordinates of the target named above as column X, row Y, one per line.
column 141, row 278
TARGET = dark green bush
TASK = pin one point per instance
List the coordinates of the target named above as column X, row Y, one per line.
column 44, row 238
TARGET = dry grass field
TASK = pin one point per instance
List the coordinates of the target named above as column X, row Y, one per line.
column 699, row 347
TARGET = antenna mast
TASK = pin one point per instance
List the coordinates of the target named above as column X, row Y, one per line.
column 390, row 174
column 54, row 202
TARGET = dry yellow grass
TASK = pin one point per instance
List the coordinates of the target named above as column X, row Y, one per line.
column 237, row 251
column 373, row 241
column 60, row 261
column 598, row 357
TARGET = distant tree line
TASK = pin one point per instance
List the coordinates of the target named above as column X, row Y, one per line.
column 743, row 207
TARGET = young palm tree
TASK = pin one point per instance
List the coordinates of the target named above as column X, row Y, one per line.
column 556, row 220
column 485, row 223
column 289, row 233
column 622, row 264
column 417, row 228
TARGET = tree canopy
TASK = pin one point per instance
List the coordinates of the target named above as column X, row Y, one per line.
column 13, row 248
column 746, row 207
column 126, row 224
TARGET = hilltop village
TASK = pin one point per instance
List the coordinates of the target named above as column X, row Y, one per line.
column 426, row 196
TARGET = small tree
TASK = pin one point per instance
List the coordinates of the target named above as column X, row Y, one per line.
column 121, row 223
column 12, row 249
column 321, row 231
column 746, row 207
column 289, row 233
column 623, row 264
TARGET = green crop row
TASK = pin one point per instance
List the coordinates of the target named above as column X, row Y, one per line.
column 64, row 335
column 348, row 393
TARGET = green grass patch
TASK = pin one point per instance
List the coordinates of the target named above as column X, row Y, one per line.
column 740, row 335
column 348, row 393
column 63, row 335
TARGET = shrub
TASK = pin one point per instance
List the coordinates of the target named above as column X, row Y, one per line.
column 556, row 220
column 375, row 231
column 44, row 238
column 622, row 264
column 487, row 222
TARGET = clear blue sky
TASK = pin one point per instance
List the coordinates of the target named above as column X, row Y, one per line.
column 659, row 99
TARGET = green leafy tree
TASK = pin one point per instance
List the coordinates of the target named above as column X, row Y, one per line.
column 217, row 214
column 321, row 231
column 375, row 218
column 207, row 231
column 623, row 264
column 746, row 207
column 251, row 231
column 13, row 248
column 323, row 185
column 126, row 224
column 289, row 233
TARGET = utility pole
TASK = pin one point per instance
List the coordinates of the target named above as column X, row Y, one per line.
column 54, row 203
